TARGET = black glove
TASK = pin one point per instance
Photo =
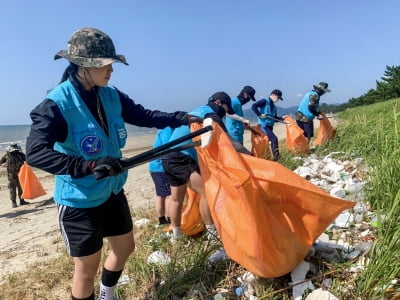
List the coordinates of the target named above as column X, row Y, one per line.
column 194, row 119
column 105, row 166
column 187, row 119
column 182, row 117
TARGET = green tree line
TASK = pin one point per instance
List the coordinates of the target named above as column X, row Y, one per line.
column 386, row 89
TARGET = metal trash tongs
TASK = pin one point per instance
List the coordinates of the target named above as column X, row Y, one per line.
column 206, row 136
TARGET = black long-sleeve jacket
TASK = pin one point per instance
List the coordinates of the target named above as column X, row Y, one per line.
column 49, row 126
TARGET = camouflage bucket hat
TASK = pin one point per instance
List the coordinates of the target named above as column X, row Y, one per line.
column 322, row 86
column 90, row 48
column 13, row 147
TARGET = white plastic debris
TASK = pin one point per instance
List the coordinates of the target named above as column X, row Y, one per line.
column 344, row 219
column 248, row 277
column 338, row 192
column 320, row 294
column 334, row 167
column 159, row 258
column 304, row 172
column 219, row 297
column 142, row 223
column 124, row 279
column 323, row 238
column 217, row 256
column 299, row 275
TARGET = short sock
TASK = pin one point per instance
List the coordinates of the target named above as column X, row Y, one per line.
column 162, row 220
column 110, row 278
column 176, row 232
column 91, row 297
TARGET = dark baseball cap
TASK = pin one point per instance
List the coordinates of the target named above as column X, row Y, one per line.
column 250, row 91
column 224, row 98
column 278, row 93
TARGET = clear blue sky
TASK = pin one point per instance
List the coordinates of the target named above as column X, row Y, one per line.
column 182, row 51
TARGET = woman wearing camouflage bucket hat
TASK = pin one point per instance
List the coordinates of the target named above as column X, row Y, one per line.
column 78, row 130
column 309, row 109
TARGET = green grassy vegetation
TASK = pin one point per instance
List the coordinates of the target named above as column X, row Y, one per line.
column 369, row 132
column 372, row 132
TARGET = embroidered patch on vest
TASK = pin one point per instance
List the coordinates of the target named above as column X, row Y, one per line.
column 91, row 145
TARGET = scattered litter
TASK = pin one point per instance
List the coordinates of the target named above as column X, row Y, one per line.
column 159, row 258
column 344, row 219
column 299, row 275
column 219, row 297
column 218, row 256
column 320, row 294
column 124, row 279
column 142, row 223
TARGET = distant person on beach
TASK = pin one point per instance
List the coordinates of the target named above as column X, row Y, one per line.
column 183, row 170
column 77, row 133
column 266, row 112
column 308, row 109
column 160, row 179
column 236, row 127
column 13, row 160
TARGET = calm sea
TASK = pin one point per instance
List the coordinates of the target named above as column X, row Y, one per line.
column 18, row 134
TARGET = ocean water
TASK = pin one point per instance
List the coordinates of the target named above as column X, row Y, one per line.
column 18, row 134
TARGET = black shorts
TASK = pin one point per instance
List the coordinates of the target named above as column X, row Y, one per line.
column 161, row 184
column 83, row 229
column 308, row 128
column 178, row 167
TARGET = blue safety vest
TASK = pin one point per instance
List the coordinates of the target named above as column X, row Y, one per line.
column 87, row 139
column 235, row 128
column 303, row 107
column 161, row 138
column 270, row 110
column 184, row 129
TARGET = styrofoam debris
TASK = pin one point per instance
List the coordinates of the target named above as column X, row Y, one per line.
column 320, row 294
column 344, row 219
column 159, row 258
column 299, row 275
column 142, row 223
column 217, row 256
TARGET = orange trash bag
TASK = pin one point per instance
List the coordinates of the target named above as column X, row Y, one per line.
column 191, row 222
column 325, row 132
column 31, row 186
column 259, row 143
column 296, row 142
column 267, row 216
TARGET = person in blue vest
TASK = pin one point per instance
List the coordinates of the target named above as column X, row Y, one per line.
column 266, row 112
column 77, row 134
column 308, row 109
column 236, row 127
column 183, row 170
column 160, row 179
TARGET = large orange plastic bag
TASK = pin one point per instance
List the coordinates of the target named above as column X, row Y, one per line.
column 31, row 186
column 267, row 216
column 191, row 222
column 259, row 143
column 325, row 132
column 296, row 142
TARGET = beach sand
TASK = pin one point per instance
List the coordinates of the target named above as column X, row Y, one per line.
column 30, row 234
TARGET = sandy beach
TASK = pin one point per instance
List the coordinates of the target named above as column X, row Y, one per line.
column 30, row 233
